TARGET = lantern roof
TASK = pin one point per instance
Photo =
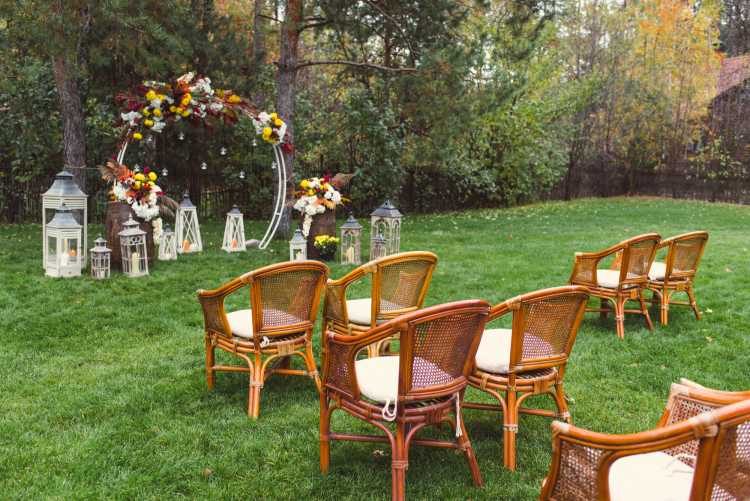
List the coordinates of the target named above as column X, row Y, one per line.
column 64, row 186
column 132, row 228
column 351, row 224
column 386, row 210
column 186, row 203
column 64, row 220
column 100, row 245
column 235, row 211
column 167, row 229
column 298, row 237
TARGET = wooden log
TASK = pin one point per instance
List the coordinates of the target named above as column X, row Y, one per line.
column 322, row 224
column 117, row 215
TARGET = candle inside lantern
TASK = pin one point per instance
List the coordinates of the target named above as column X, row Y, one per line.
column 350, row 254
column 185, row 245
column 135, row 262
column 234, row 243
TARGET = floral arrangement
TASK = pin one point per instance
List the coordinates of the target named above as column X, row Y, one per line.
column 139, row 190
column 326, row 244
column 152, row 105
column 315, row 196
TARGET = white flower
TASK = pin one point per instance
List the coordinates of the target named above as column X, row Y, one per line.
column 156, row 103
column 306, row 223
column 336, row 197
column 219, row 106
column 264, row 117
column 311, row 210
column 158, row 126
column 131, row 117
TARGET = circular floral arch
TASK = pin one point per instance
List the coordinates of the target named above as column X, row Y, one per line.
column 153, row 106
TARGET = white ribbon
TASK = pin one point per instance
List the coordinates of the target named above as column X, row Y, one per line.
column 389, row 415
column 459, row 432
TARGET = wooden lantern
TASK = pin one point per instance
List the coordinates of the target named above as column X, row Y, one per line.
column 167, row 245
column 386, row 222
column 234, row 231
column 65, row 191
column 133, row 250
column 351, row 241
column 188, row 230
column 63, row 248
column 377, row 247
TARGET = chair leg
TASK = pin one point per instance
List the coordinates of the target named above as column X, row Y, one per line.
column 664, row 308
column 620, row 317
column 471, row 458
column 256, row 384
column 693, row 304
column 399, row 464
column 312, row 369
column 210, row 362
column 325, row 430
column 644, row 310
column 562, row 403
column 510, row 429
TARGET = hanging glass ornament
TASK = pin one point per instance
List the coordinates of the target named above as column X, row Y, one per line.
column 164, row 172
column 137, row 168
column 181, row 137
column 204, row 166
column 223, row 151
column 242, row 174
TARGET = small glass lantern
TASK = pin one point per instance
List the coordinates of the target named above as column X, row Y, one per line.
column 377, row 247
column 298, row 247
column 133, row 249
column 188, row 231
column 386, row 222
column 63, row 252
column 351, row 241
column 100, row 259
column 234, row 231
column 167, row 245
column 65, row 191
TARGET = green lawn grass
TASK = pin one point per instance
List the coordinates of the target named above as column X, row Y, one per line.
column 103, row 393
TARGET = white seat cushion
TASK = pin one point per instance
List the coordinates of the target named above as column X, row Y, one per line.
column 359, row 310
column 657, row 270
column 493, row 354
column 377, row 378
column 608, row 278
column 654, row 476
column 241, row 323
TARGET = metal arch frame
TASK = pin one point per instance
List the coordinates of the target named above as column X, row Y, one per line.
column 279, row 165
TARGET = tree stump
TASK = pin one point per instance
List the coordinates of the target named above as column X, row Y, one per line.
column 322, row 224
column 117, row 215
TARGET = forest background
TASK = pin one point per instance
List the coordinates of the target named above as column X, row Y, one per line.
column 437, row 104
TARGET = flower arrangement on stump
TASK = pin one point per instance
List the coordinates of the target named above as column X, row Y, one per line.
column 326, row 245
column 317, row 200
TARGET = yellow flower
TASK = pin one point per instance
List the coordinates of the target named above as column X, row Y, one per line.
column 137, row 136
column 304, row 184
column 137, row 185
column 234, row 99
column 148, row 122
column 277, row 122
column 173, row 108
column 145, row 112
column 161, row 97
column 267, row 132
column 310, row 193
column 151, row 95
column 185, row 113
column 139, row 177
column 274, row 116
column 152, row 176
column 157, row 112
column 186, row 99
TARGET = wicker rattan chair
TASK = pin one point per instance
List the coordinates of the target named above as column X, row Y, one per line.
column 284, row 301
column 528, row 359
column 399, row 284
column 677, row 272
column 624, row 282
column 422, row 386
column 699, row 450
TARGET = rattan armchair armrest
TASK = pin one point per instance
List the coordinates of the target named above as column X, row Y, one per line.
column 335, row 298
column 586, row 264
column 212, row 303
column 339, row 373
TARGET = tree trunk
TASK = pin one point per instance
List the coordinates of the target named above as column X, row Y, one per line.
column 285, row 99
column 259, row 50
column 71, row 112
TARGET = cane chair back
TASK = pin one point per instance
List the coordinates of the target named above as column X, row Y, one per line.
column 684, row 253
column 437, row 350
column 285, row 298
column 545, row 324
column 637, row 255
column 400, row 283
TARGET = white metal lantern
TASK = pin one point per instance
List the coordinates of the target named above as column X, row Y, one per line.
column 65, row 191
column 234, row 231
column 377, row 247
column 63, row 249
column 167, row 245
column 298, row 247
column 188, row 231
column 386, row 222
column 351, row 241
column 100, row 259
column 133, row 249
